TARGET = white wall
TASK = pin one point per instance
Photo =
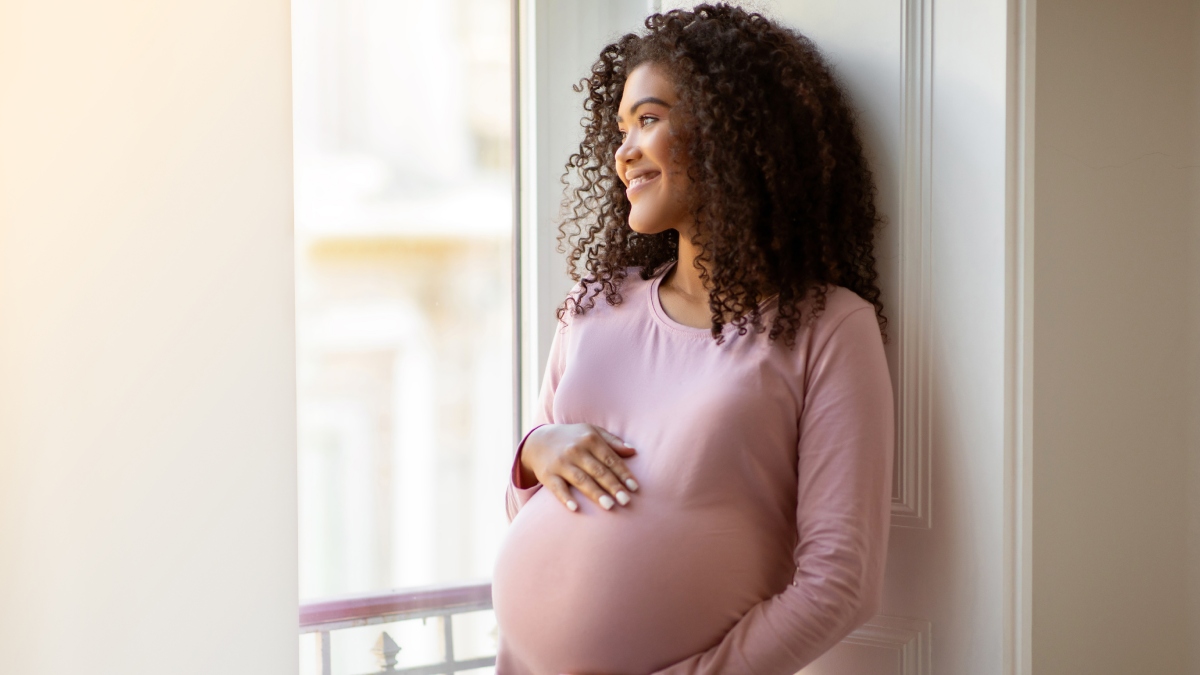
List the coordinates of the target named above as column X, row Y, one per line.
column 969, row 157
column 1116, row 316
column 147, row 426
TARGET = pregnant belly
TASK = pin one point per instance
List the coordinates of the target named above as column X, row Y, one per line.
column 624, row 591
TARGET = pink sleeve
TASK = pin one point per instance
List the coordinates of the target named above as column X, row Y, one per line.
column 518, row 493
column 843, row 513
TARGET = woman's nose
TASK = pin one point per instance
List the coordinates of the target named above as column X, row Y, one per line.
column 628, row 149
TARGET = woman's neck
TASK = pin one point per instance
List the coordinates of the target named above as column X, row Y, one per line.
column 684, row 279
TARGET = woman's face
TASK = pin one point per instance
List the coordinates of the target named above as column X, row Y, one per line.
column 656, row 188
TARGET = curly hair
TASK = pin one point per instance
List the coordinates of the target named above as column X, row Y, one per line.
column 782, row 198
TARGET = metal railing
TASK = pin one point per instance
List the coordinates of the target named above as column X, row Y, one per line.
column 441, row 602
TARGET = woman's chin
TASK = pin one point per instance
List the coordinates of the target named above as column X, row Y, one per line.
column 642, row 227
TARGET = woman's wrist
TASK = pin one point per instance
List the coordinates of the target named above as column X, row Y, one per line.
column 527, row 478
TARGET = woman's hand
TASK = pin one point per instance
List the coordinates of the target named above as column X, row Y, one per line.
column 583, row 455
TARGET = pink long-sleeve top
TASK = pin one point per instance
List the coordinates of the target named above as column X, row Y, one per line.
column 758, row 535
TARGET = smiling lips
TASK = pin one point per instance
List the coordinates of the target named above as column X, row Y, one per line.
column 641, row 179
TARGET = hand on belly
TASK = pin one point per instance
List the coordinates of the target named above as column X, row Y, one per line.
column 585, row 457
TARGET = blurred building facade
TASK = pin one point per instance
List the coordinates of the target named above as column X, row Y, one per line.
column 404, row 277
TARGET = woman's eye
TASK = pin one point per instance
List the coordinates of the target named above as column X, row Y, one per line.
column 642, row 121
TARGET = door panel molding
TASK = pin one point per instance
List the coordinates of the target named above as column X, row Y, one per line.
column 910, row 638
column 885, row 645
column 911, row 501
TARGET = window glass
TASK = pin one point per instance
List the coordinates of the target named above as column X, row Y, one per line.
column 403, row 283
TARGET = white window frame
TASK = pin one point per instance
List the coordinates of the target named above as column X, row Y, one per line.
column 545, row 132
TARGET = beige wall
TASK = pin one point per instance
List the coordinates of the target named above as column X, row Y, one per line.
column 1116, row 317
column 147, row 424
column 1193, row 361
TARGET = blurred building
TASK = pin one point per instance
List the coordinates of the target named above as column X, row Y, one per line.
column 404, row 310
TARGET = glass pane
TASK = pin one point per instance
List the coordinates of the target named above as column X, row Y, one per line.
column 475, row 635
column 403, row 276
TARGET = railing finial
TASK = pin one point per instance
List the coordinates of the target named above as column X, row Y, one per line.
column 386, row 650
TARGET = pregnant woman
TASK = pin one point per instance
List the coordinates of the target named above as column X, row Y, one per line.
column 707, row 486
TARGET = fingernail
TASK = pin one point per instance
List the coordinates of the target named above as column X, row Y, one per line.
column 606, row 502
column 632, row 484
column 572, row 505
column 622, row 497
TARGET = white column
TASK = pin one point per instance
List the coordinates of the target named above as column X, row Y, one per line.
column 147, row 399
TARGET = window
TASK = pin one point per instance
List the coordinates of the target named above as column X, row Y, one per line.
column 404, row 290
column 404, row 248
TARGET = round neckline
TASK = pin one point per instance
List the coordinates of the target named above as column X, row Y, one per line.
column 660, row 314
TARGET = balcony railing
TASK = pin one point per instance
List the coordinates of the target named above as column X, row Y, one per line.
column 441, row 603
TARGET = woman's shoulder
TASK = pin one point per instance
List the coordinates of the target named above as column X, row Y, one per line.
column 591, row 295
column 630, row 281
column 844, row 310
column 840, row 304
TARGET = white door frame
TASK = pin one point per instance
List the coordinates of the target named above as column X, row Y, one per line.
column 1018, row 445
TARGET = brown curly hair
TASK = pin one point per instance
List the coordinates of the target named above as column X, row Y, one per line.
column 788, row 199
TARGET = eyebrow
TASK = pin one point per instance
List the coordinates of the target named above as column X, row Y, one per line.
column 648, row 99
